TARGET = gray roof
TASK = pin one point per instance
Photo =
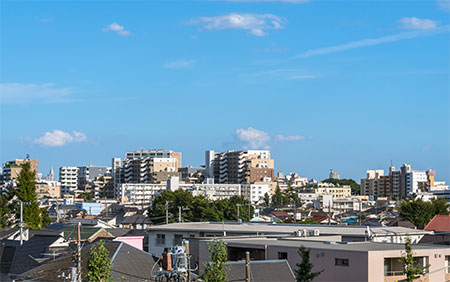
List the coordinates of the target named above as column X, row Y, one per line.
column 350, row 246
column 6, row 233
column 269, row 228
column 261, row 271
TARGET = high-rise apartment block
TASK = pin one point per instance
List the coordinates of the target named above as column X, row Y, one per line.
column 398, row 184
column 145, row 166
column 240, row 167
column 68, row 176
column 12, row 169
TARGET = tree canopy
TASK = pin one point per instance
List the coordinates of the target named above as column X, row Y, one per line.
column 420, row 213
column 340, row 182
column 198, row 208
column 99, row 264
column 26, row 192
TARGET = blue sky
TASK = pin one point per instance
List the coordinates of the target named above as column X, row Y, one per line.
column 348, row 85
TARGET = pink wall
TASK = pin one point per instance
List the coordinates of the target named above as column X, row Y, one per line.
column 135, row 241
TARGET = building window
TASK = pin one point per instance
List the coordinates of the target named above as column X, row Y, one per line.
column 160, row 239
column 282, row 255
column 178, row 240
column 341, row 262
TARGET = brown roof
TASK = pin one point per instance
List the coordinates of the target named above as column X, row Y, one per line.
column 439, row 223
column 280, row 213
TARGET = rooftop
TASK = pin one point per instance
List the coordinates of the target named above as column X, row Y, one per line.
column 269, row 228
column 351, row 246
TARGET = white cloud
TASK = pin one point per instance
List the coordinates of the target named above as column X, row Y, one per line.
column 416, row 23
column 371, row 42
column 256, row 24
column 19, row 93
column 289, row 138
column 117, row 28
column 253, row 138
column 181, row 64
column 58, row 138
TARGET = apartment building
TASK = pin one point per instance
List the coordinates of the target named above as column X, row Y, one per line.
column 48, row 189
column 12, row 169
column 68, row 176
column 339, row 261
column 240, row 167
column 87, row 174
column 337, row 192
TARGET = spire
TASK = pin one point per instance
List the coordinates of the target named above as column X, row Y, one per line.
column 51, row 175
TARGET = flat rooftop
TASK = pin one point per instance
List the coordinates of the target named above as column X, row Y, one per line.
column 269, row 228
column 351, row 246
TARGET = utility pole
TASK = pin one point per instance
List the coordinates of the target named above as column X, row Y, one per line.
column 249, row 216
column 359, row 214
column 21, row 223
column 179, row 213
column 247, row 267
column 238, row 205
column 57, row 210
column 78, row 252
column 166, row 206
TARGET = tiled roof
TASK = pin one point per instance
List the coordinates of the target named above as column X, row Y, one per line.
column 439, row 223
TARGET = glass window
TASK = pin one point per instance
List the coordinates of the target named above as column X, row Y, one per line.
column 160, row 239
column 282, row 255
column 341, row 262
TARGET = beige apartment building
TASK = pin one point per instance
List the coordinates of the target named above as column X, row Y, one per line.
column 12, row 169
column 352, row 261
column 48, row 189
column 341, row 192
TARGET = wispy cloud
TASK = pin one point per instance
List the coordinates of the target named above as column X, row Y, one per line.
column 20, row 93
column 257, row 24
column 180, row 64
column 45, row 20
column 117, row 28
column 59, row 138
column 252, row 138
column 290, row 74
column 425, row 148
column 444, row 5
column 416, row 23
column 372, row 42
column 289, row 138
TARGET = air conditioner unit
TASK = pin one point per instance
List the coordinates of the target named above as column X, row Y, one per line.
column 316, row 232
column 305, row 232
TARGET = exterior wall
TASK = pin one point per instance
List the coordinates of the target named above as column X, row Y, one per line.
column 68, row 176
column 258, row 174
column 12, row 169
column 337, row 192
column 50, row 189
column 325, row 260
column 436, row 259
column 135, row 241
column 139, row 193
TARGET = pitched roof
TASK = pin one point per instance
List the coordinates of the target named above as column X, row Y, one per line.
column 261, row 271
column 135, row 219
column 128, row 264
column 6, row 233
column 439, row 223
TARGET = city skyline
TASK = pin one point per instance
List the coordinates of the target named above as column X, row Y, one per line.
column 352, row 89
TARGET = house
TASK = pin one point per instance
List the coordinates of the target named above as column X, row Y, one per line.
column 128, row 264
column 440, row 225
column 340, row 261
column 87, row 233
column 136, row 221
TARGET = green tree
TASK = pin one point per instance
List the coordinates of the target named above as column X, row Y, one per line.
column 420, row 213
column 440, row 206
column 99, row 264
column 411, row 268
column 279, row 199
column 45, row 217
column 215, row 270
column 266, row 199
column 26, row 192
column 304, row 271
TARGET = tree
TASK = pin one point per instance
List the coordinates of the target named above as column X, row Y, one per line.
column 266, row 199
column 411, row 268
column 304, row 271
column 420, row 213
column 45, row 217
column 340, row 182
column 99, row 264
column 215, row 270
column 26, row 193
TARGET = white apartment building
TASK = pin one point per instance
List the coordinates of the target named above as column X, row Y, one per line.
column 68, row 176
column 215, row 191
column 140, row 193
column 254, row 192
column 412, row 180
